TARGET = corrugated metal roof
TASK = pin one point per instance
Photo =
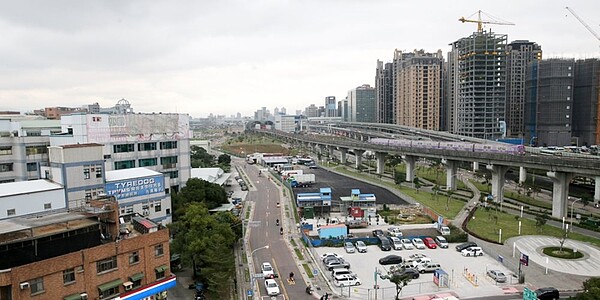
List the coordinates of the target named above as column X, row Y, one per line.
column 27, row 187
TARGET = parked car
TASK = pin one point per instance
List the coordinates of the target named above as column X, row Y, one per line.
column 330, row 254
column 340, row 271
column 390, row 260
column 497, row 275
column 420, row 261
column 349, row 247
column 430, row 243
column 416, row 256
column 418, row 243
column 346, row 280
column 330, row 259
column 407, row 244
column 428, row 268
column 466, row 245
column 394, row 231
column 547, row 293
column 384, row 243
column 272, row 287
column 472, row 251
column 340, row 263
column 377, row 232
column 414, row 274
column 267, row 270
column 361, row 247
column 441, row 241
column 396, row 244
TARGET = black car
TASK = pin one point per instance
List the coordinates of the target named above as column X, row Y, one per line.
column 390, row 260
column 547, row 293
column 414, row 274
column 466, row 245
column 377, row 232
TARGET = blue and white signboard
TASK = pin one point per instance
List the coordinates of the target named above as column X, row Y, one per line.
column 136, row 187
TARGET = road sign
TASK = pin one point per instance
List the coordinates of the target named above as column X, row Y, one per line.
column 250, row 293
column 524, row 259
column 315, row 272
column 529, row 294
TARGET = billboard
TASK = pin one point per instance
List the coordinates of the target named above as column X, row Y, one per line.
column 135, row 187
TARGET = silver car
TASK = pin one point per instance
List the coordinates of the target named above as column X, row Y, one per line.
column 361, row 246
column 407, row 244
column 349, row 247
column 497, row 275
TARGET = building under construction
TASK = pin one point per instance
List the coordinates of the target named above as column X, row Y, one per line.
column 477, row 85
column 586, row 95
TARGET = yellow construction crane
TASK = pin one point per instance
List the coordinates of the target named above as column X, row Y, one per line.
column 583, row 23
column 480, row 22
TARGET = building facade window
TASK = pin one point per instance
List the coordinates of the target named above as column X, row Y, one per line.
column 36, row 285
column 47, row 205
column 32, row 167
column 68, row 276
column 160, row 272
column 158, row 250
column 134, row 257
column 172, row 174
column 146, row 146
column 124, row 164
column 168, row 145
column 86, row 172
column 109, row 292
column 8, row 167
column 157, row 206
column 168, row 160
column 146, row 162
column 123, row 148
column 6, row 150
column 33, row 150
column 98, row 171
column 106, row 264
column 11, row 212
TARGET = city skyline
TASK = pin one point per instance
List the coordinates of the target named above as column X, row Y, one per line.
column 233, row 56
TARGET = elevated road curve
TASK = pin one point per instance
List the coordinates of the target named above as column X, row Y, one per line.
column 560, row 169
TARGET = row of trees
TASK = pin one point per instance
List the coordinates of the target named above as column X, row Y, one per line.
column 204, row 240
column 200, row 158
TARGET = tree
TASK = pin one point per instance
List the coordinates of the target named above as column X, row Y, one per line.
column 435, row 189
column 450, row 194
column 417, row 183
column 200, row 158
column 224, row 159
column 586, row 199
column 540, row 221
column 400, row 280
column 200, row 191
column 206, row 242
column 591, row 290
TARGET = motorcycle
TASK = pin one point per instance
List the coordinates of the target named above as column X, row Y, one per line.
column 281, row 230
column 277, row 222
column 308, row 290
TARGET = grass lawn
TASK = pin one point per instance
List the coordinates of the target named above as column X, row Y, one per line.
column 485, row 226
column 439, row 205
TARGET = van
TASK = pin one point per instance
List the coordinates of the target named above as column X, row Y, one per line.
column 346, row 280
column 384, row 243
column 427, row 268
column 340, row 271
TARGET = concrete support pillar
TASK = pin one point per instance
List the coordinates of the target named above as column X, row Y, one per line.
column 498, row 173
column 380, row 156
column 475, row 166
column 451, row 166
column 597, row 189
column 522, row 174
column 343, row 155
column 358, row 157
column 560, row 192
column 331, row 151
column 411, row 165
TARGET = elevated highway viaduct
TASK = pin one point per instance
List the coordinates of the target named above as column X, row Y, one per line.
column 560, row 169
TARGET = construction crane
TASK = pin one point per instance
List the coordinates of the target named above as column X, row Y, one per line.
column 583, row 23
column 480, row 22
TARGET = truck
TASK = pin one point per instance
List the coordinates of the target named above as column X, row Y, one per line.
column 290, row 173
column 302, row 180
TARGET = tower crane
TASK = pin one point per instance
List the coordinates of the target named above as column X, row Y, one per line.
column 480, row 22
column 583, row 23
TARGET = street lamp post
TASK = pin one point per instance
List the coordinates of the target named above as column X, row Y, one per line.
column 572, row 204
column 252, row 259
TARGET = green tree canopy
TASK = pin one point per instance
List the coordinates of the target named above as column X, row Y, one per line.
column 200, row 158
column 201, row 191
column 591, row 290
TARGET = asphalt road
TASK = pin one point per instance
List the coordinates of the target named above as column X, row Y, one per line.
column 265, row 196
column 341, row 186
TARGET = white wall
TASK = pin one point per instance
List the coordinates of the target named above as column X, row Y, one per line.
column 31, row 203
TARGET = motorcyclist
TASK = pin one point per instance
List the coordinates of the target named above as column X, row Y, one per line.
column 308, row 290
column 281, row 230
column 277, row 222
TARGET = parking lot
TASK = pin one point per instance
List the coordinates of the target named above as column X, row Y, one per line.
column 458, row 268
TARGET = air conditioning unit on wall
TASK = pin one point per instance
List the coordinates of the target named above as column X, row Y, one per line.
column 24, row 285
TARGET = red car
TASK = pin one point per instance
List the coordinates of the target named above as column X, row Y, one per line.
column 430, row 243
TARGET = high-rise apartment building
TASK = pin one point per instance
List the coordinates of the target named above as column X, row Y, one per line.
column 477, row 85
column 362, row 104
column 520, row 53
column 384, row 87
column 586, row 95
column 330, row 107
column 549, row 102
column 311, row 111
column 418, row 77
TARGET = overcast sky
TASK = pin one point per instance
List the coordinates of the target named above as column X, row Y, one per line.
column 223, row 57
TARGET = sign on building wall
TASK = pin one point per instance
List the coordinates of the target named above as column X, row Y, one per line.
column 136, row 187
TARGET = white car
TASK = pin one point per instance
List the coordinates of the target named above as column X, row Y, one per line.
column 330, row 254
column 361, row 246
column 272, row 287
column 396, row 243
column 472, row 251
column 346, row 280
column 267, row 270
column 418, row 243
column 441, row 241
column 394, row 231
column 407, row 244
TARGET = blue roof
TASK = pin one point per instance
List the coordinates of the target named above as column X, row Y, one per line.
column 325, row 190
column 355, row 192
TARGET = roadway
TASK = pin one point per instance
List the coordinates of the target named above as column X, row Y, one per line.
column 265, row 195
